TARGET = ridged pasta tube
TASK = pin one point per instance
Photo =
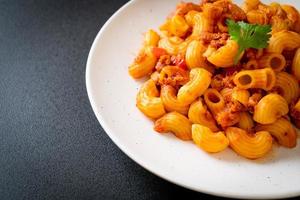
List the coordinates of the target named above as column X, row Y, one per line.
column 270, row 108
column 207, row 140
column 176, row 123
column 249, row 146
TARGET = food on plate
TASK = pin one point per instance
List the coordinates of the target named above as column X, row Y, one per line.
column 223, row 76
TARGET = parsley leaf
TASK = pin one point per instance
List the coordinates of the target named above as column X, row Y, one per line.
column 248, row 35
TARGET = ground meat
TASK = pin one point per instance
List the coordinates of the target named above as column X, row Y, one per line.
column 253, row 101
column 163, row 61
column 217, row 43
column 221, row 81
column 216, row 40
column 179, row 60
column 227, row 118
column 232, row 71
column 230, row 114
column 235, row 106
column 174, row 76
column 251, row 54
column 227, row 94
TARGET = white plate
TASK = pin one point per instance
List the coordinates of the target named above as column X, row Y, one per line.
column 112, row 95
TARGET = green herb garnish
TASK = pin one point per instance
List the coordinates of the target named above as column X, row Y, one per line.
column 248, row 35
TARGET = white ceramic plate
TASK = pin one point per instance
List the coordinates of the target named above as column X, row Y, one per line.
column 112, row 95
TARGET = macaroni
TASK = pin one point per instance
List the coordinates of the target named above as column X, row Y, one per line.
column 257, row 17
column 201, row 24
column 149, row 102
column 199, row 114
column 214, row 101
column 151, row 38
column 207, row 140
column 175, row 123
column 279, row 24
column 259, row 78
column 199, row 81
column 217, row 105
column 246, row 121
column 275, row 61
column 169, row 99
column 270, row 108
column 194, row 56
column 293, row 15
column 282, row 130
column 284, row 40
column 241, row 95
column 224, row 56
column 250, row 5
column 173, row 45
column 287, row 86
column 178, row 26
column 250, row 146
column 189, row 17
column 143, row 64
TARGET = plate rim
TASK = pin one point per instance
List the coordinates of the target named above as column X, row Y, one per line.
column 130, row 154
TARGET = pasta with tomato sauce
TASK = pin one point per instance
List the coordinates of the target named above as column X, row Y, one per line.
column 224, row 76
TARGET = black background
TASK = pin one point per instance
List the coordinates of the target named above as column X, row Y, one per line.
column 51, row 145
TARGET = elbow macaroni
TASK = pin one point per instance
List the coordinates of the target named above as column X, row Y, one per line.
column 176, row 123
column 207, row 140
column 152, row 38
column 287, row 86
column 293, row 15
column 169, row 99
column 173, row 45
column 224, row 56
column 250, row 146
column 199, row 81
column 178, row 26
column 201, row 24
column 260, row 78
column 275, row 61
column 257, row 17
column 199, row 114
column 270, row 108
column 241, row 95
column 284, row 40
column 143, row 64
column 149, row 102
column 282, row 130
column 250, row 5
column 214, row 101
column 194, row 56
column 246, row 121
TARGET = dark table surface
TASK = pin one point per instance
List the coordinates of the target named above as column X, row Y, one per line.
column 51, row 145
